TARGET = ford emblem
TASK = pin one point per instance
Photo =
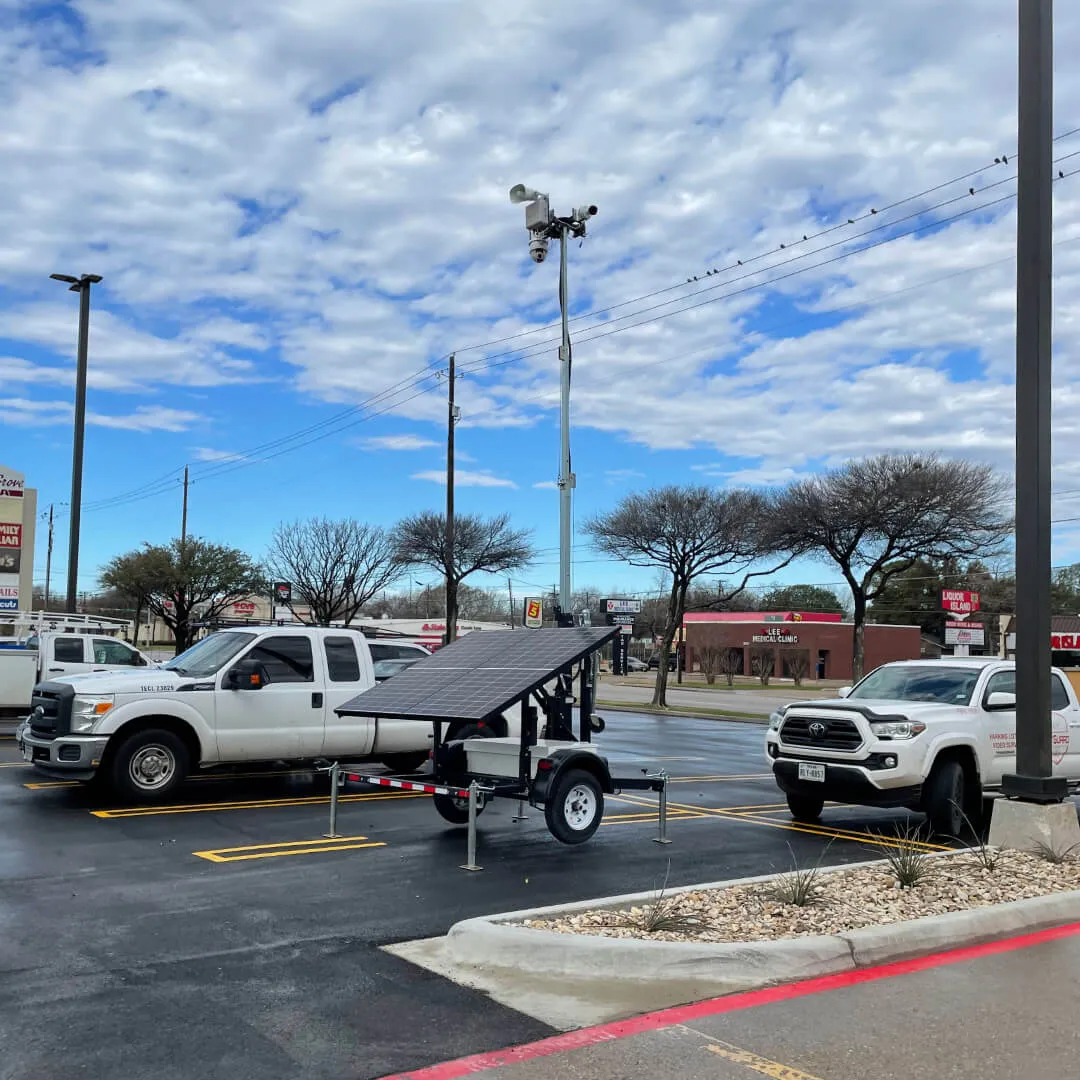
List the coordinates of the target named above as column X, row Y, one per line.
column 818, row 729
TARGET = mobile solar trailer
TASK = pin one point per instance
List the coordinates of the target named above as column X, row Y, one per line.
column 477, row 679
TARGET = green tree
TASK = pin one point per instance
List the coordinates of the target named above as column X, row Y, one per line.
column 802, row 598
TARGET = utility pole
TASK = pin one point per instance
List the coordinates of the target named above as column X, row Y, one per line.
column 81, row 285
column 48, row 558
column 510, row 590
column 452, row 415
column 183, row 516
column 1034, row 780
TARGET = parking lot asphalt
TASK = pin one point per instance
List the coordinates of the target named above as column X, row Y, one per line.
column 221, row 935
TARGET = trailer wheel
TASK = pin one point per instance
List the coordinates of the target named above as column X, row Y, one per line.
column 574, row 808
column 455, row 810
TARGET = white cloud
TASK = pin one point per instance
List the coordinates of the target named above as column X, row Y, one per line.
column 147, row 418
column 206, row 453
column 465, row 478
column 397, row 442
column 546, row 485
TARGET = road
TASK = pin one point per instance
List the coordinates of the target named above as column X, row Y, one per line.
column 746, row 702
column 221, row 937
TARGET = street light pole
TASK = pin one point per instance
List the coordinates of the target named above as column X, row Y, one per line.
column 81, row 285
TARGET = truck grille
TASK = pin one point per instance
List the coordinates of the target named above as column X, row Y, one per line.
column 50, row 710
column 821, row 733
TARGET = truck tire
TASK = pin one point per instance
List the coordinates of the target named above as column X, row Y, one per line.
column 574, row 807
column 454, row 810
column 405, row 763
column 470, row 731
column 148, row 765
column 805, row 807
column 944, row 797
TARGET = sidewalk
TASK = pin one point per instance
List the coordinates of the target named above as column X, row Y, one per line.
column 1005, row 1009
column 756, row 704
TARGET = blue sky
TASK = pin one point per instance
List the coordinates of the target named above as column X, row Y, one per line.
column 299, row 211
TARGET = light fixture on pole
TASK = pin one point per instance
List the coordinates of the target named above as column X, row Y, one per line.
column 543, row 226
column 80, row 285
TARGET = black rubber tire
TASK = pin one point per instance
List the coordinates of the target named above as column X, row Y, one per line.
column 456, row 811
column 555, row 807
column 470, row 731
column 944, row 798
column 155, row 748
column 405, row 763
column 806, row 808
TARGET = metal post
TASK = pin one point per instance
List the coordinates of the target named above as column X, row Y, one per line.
column 183, row 515
column 77, row 451
column 335, row 772
column 567, row 481
column 1033, row 779
column 451, row 589
column 662, row 838
column 521, row 815
column 474, row 794
column 48, row 561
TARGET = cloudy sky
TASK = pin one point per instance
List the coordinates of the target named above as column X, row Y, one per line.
column 299, row 209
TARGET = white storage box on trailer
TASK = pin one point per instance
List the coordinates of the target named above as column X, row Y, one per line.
column 499, row 756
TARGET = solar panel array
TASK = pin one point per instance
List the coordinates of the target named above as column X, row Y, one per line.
column 479, row 675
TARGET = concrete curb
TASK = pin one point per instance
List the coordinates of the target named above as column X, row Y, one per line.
column 684, row 970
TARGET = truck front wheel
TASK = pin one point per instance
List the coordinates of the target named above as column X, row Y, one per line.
column 148, row 765
column 805, row 807
column 405, row 763
column 945, row 797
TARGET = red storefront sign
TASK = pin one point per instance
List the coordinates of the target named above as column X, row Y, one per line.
column 959, row 601
column 10, row 535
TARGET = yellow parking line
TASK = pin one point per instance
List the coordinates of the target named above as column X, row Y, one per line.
column 16, row 765
column 704, row 779
column 287, row 847
column 250, row 804
column 52, row 783
column 758, row 1064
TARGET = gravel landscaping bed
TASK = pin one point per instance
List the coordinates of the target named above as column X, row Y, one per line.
column 840, row 900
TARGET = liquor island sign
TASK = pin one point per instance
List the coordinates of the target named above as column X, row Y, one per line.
column 775, row 635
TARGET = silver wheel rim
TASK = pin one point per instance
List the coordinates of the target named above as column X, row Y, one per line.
column 152, row 767
column 579, row 807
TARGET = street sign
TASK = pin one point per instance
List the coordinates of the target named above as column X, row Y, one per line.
column 962, row 633
column 959, row 601
column 534, row 612
column 631, row 607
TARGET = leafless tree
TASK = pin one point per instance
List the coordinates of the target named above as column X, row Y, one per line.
column 762, row 662
column 689, row 533
column 730, row 664
column 876, row 517
column 709, row 659
column 335, row 567
column 796, row 664
column 481, row 545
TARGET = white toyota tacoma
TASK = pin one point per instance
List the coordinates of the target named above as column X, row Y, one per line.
column 238, row 696
column 931, row 735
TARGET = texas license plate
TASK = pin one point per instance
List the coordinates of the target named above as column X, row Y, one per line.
column 812, row 772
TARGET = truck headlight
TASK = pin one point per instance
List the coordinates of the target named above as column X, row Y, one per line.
column 88, row 709
column 892, row 729
column 775, row 720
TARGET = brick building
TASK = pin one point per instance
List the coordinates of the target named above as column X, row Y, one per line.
column 824, row 640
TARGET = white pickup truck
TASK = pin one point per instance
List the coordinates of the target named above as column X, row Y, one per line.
column 929, row 735
column 50, row 655
column 240, row 695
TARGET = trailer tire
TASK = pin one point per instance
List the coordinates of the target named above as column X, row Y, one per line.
column 806, row 808
column 455, row 810
column 405, row 763
column 148, row 765
column 574, row 807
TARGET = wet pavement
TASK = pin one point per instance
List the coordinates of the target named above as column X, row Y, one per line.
column 222, row 936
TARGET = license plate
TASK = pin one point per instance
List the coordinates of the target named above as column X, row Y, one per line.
column 812, row 772
column 27, row 753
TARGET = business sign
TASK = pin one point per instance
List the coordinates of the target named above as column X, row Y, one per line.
column 283, row 592
column 620, row 619
column 12, row 484
column 243, row 607
column 622, row 607
column 534, row 612
column 9, row 605
column 10, row 534
column 959, row 601
column 1064, row 642
column 775, row 635
column 10, row 561
column 962, row 633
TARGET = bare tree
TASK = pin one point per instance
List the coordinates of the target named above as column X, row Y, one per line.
column 709, row 659
column 335, row 567
column 689, row 533
column 730, row 664
column 762, row 661
column 796, row 664
column 876, row 517
column 481, row 545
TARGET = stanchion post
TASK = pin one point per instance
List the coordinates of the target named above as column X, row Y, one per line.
column 663, row 837
column 521, row 815
column 335, row 780
column 474, row 795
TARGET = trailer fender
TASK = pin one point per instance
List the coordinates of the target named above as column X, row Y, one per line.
column 549, row 769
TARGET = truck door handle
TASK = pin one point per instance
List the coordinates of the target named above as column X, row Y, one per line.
column 316, row 701
column 56, row 669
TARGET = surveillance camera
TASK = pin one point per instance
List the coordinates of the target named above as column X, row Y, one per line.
column 538, row 248
column 583, row 213
column 519, row 193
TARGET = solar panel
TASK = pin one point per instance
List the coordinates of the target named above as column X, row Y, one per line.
column 479, row 675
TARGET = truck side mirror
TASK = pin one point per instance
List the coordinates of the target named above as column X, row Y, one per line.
column 245, row 675
column 843, row 691
column 1000, row 701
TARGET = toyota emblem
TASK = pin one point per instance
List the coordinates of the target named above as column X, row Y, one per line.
column 818, row 729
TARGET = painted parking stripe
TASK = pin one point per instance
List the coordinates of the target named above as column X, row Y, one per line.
column 16, row 765
column 287, row 847
column 756, row 1063
column 52, row 784
column 709, row 779
column 248, row 804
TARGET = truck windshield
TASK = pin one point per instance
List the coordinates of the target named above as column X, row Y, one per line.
column 909, row 682
column 208, row 656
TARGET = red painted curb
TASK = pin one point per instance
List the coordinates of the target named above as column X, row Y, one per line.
column 681, row 1014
